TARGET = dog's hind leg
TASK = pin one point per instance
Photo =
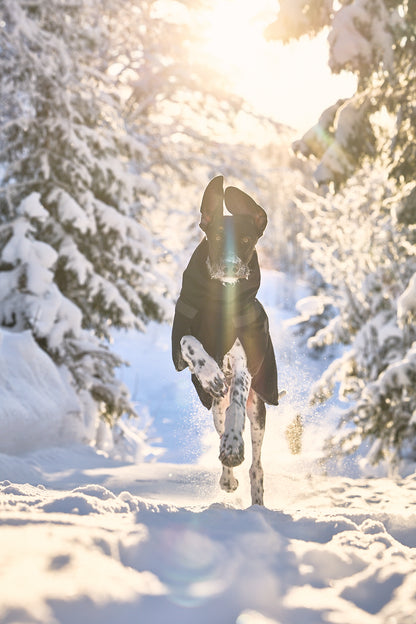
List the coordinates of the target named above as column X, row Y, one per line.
column 256, row 412
column 227, row 481
column 232, row 444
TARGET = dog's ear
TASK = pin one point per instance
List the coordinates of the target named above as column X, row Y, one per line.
column 212, row 201
column 239, row 203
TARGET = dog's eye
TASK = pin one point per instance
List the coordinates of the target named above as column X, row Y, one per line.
column 245, row 240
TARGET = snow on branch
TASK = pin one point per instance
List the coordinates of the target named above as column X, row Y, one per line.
column 406, row 304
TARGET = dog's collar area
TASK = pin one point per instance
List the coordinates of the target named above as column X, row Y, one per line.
column 221, row 271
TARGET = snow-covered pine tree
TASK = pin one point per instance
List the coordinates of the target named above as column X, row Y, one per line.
column 375, row 40
column 75, row 259
column 366, row 265
column 363, row 239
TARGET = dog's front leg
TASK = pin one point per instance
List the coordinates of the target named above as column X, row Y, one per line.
column 232, row 444
column 209, row 374
column 228, row 482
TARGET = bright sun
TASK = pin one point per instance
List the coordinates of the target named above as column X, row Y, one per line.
column 233, row 32
column 291, row 83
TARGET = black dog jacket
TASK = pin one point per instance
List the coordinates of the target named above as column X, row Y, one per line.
column 217, row 314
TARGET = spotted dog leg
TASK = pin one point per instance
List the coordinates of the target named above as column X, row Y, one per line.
column 209, row 374
column 228, row 482
column 232, row 445
column 256, row 412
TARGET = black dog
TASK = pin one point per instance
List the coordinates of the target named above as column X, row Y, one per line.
column 221, row 330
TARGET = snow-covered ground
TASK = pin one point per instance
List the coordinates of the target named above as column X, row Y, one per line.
column 90, row 538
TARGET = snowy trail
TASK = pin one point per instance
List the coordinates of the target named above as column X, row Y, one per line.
column 151, row 545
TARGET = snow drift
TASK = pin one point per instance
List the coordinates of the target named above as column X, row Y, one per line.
column 37, row 407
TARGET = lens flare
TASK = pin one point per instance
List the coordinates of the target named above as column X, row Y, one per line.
column 193, row 568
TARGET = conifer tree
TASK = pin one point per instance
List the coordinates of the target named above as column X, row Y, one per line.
column 73, row 257
column 375, row 40
column 363, row 233
column 367, row 268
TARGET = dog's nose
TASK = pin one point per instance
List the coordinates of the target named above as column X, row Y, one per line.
column 232, row 265
column 232, row 269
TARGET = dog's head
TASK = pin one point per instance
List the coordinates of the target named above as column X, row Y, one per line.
column 231, row 239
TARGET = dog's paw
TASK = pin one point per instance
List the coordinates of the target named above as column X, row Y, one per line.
column 206, row 369
column 231, row 449
column 228, row 482
column 211, row 377
column 218, row 387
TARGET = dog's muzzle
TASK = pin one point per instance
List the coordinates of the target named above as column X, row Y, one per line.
column 228, row 271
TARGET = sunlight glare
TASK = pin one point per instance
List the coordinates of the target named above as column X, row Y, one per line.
column 233, row 32
column 291, row 83
column 234, row 37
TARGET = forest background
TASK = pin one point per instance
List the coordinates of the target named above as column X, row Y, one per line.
column 112, row 122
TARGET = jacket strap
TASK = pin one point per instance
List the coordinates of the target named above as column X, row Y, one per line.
column 185, row 309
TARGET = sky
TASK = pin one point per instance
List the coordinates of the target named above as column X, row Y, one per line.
column 291, row 83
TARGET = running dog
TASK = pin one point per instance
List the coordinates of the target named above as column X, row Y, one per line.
column 221, row 331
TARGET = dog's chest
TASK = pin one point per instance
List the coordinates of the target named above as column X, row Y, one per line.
column 201, row 290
